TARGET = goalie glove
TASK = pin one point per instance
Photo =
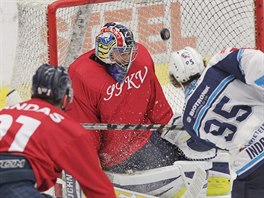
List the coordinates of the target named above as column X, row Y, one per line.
column 187, row 146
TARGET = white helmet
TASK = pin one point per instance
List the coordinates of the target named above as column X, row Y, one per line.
column 185, row 63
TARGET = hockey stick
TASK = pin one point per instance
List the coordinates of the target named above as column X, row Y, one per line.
column 71, row 187
column 102, row 126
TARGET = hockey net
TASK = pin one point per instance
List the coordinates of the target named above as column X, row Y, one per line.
column 59, row 31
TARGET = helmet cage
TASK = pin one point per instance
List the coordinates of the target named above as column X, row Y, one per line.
column 123, row 56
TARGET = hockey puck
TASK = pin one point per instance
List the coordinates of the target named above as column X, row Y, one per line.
column 165, row 34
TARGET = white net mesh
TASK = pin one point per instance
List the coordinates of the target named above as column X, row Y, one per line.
column 208, row 25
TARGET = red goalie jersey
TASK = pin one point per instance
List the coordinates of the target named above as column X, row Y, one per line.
column 98, row 98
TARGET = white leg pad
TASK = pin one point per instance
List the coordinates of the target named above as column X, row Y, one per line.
column 189, row 175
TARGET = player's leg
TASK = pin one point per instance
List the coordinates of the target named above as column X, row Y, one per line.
column 186, row 178
column 219, row 175
column 21, row 189
column 249, row 186
column 219, row 181
column 18, row 180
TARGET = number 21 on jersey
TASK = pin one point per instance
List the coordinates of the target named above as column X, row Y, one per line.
column 27, row 129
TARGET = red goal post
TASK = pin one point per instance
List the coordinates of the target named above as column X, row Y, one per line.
column 59, row 31
column 259, row 14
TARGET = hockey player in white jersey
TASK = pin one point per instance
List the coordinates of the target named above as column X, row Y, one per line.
column 225, row 109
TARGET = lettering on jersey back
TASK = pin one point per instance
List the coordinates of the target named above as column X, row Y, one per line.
column 256, row 149
column 55, row 117
column 256, row 144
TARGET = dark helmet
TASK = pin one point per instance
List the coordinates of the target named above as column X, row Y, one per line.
column 52, row 83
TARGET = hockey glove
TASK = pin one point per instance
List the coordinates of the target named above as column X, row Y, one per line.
column 188, row 147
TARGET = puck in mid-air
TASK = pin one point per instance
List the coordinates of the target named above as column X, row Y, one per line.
column 165, row 34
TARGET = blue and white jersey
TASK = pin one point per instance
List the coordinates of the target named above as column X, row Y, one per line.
column 226, row 107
